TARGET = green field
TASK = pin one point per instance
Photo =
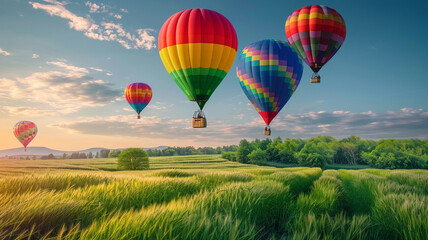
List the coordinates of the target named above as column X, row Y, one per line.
column 207, row 197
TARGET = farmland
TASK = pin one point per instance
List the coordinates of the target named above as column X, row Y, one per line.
column 207, row 197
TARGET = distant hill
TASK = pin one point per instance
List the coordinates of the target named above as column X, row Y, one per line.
column 42, row 151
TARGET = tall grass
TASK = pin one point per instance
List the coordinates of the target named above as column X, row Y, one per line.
column 16, row 185
column 298, row 181
column 326, row 195
column 208, row 198
column 337, row 227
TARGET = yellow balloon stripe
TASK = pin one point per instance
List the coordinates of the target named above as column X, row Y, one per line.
column 198, row 55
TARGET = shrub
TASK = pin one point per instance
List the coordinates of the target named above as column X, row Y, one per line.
column 312, row 160
column 257, row 156
column 231, row 156
column 133, row 159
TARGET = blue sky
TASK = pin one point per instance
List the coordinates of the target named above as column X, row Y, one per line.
column 64, row 65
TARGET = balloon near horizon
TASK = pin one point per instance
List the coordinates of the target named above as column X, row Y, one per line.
column 316, row 33
column 198, row 47
column 25, row 132
column 138, row 96
column 269, row 72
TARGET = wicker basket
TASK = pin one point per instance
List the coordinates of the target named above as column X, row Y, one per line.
column 316, row 79
column 267, row 131
column 199, row 122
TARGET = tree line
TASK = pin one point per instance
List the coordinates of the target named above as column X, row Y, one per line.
column 322, row 150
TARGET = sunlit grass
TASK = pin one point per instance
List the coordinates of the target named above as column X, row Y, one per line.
column 207, row 197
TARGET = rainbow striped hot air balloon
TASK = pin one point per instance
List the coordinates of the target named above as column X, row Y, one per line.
column 269, row 72
column 25, row 132
column 138, row 96
column 316, row 33
column 197, row 47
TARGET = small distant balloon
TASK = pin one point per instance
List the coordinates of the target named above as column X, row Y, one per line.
column 138, row 96
column 25, row 132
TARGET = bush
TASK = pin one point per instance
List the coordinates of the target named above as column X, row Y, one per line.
column 133, row 159
column 258, row 156
column 312, row 160
column 231, row 156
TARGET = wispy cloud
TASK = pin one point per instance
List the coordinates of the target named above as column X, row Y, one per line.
column 29, row 111
column 35, row 56
column 4, row 53
column 105, row 31
column 405, row 123
column 96, row 69
column 68, row 89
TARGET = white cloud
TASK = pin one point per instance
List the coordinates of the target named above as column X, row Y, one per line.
column 142, row 39
column 67, row 89
column 156, row 107
column 405, row 123
column 109, row 74
column 93, row 7
column 4, row 53
column 123, row 10
column 30, row 111
column 117, row 16
column 35, row 56
column 96, row 69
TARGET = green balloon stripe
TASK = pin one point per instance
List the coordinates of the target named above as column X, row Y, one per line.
column 198, row 83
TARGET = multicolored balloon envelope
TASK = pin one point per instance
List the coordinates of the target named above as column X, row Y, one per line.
column 138, row 96
column 269, row 72
column 316, row 33
column 25, row 132
column 197, row 47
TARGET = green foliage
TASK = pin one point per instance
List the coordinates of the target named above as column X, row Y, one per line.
column 312, row 160
column 114, row 154
column 231, row 156
column 257, row 156
column 244, row 149
column 133, row 159
column 386, row 155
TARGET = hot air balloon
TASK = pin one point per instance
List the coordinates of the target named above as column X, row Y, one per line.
column 197, row 47
column 25, row 132
column 269, row 72
column 316, row 33
column 138, row 96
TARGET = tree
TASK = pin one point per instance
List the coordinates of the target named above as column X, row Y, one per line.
column 244, row 149
column 74, row 155
column 90, row 155
column 34, row 157
column 97, row 155
column 257, row 156
column 82, row 155
column 64, row 156
column 313, row 160
column 104, row 153
column 114, row 154
column 133, row 159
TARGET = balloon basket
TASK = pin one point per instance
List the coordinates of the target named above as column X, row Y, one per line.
column 315, row 78
column 199, row 120
column 267, row 131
